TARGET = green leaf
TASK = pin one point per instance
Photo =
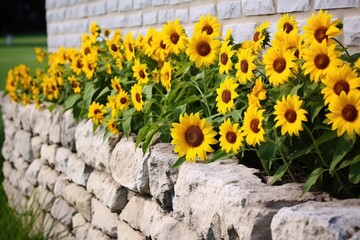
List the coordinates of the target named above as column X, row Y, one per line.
column 89, row 92
column 354, row 171
column 312, row 179
column 141, row 134
column 71, row 101
column 279, row 173
column 343, row 146
column 103, row 92
column 52, row 106
column 220, row 154
column 126, row 123
column 267, row 152
column 150, row 137
column 178, row 162
column 295, row 89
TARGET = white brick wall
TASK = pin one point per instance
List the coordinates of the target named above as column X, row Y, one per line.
column 67, row 20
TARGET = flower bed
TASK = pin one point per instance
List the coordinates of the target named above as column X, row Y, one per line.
column 291, row 103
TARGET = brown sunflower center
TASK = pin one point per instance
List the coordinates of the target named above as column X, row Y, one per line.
column 224, row 58
column 349, row 113
column 288, row 27
column 137, row 97
column 162, row 44
column 87, row 51
column 226, row 96
column 90, row 67
column 254, row 125
column 290, row 115
column 174, row 38
column 231, row 137
column 114, row 47
column 131, row 47
column 194, row 136
column 149, row 41
column 279, row 65
column 297, row 53
column 320, row 34
column 256, row 36
column 203, row 48
column 141, row 74
column 123, row 100
column 321, row 61
column 340, row 86
column 97, row 111
column 79, row 64
column 244, row 65
column 208, row 29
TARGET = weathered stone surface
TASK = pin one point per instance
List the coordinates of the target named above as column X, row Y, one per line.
column 8, row 108
column 24, row 115
column 77, row 170
column 129, row 166
column 7, row 149
column 59, row 231
column 283, row 6
column 125, row 232
column 6, row 169
column 54, row 131
column 40, row 123
column 61, row 211
column 47, row 153
column 45, row 198
column 257, row 7
column 95, row 234
column 331, row 4
column 161, row 176
column 80, row 227
column 47, row 177
column 318, row 220
column 15, row 199
column 36, row 144
column 79, row 198
column 19, row 163
column 83, row 141
column 9, row 131
column 351, row 32
column 67, row 130
column 61, row 159
column 14, row 177
column 243, row 206
column 32, row 172
column 145, row 215
column 25, row 187
column 22, row 144
column 60, row 184
column 107, row 190
column 103, row 218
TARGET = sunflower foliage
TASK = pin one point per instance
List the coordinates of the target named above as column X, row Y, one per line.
column 287, row 103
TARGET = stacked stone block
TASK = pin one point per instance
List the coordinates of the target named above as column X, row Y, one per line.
column 85, row 187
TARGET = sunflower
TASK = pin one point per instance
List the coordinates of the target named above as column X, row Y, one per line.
column 112, row 126
column 122, row 100
column 278, row 65
column 257, row 94
column 77, row 63
column 192, row 137
column 225, row 95
column 139, row 42
column 174, row 37
column 159, row 48
column 136, row 97
column 140, row 72
column 357, row 64
column 50, row 87
column 245, row 65
column 96, row 113
column 252, row 128
column 230, row 136
column 320, row 58
column 75, row 84
column 148, row 41
column 208, row 25
column 290, row 115
column 114, row 46
column 345, row 113
column 203, row 50
column 115, row 84
column 165, row 75
column 342, row 79
column 225, row 63
column 94, row 29
column 40, row 54
column 287, row 24
column 112, row 104
column 292, row 41
column 320, row 27
column 89, row 65
column 129, row 47
column 261, row 36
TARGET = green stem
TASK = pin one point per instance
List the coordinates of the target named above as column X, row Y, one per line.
column 204, row 94
column 316, row 146
column 343, row 47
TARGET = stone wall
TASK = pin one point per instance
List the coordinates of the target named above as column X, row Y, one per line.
column 90, row 188
column 67, row 20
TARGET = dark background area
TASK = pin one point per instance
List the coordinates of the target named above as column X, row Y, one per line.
column 22, row 17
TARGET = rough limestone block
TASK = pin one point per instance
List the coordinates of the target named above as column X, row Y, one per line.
column 40, row 123
column 14, row 177
column 243, row 206
column 182, row 15
column 144, row 215
column 25, row 187
column 47, row 153
column 7, row 149
column 331, row 4
column 204, row 9
column 351, row 31
column 77, row 171
column 150, row 18
column 20, row 164
column 284, row 6
column 125, row 6
column 103, row 218
column 139, row 4
column 96, row 234
column 61, row 211
column 80, row 227
column 161, row 176
column 59, row 231
column 318, row 220
column 166, row 15
column 67, row 130
column 111, row 5
column 119, row 21
column 79, row 198
column 45, row 198
column 129, row 166
column 83, row 141
column 15, row 199
column 125, row 232
column 61, row 159
column 60, row 184
column 107, row 190
column 47, row 177
column 54, row 131
column 134, row 20
column 24, row 114
column 36, row 144
column 32, row 172
column 16, row 119
column 6, row 169
column 9, row 130
column 22, row 144
column 8, row 108
column 229, row 9
column 257, row 7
